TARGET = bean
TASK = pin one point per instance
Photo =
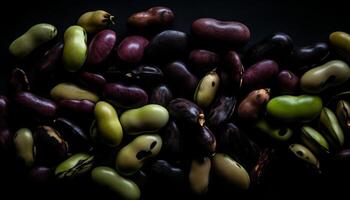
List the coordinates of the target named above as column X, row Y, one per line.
column 343, row 115
column 203, row 61
column 288, row 82
column 249, row 108
column 132, row 48
column 24, row 144
column 231, row 73
column 75, row 165
column 207, row 89
column 161, row 95
column 94, row 21
column 314, row 140
column 76, row 106
column 308, row 56
column 19, row 81
column 341, row 42
column 173, row 142
column 304, row 154
column 95, row 82
column 331, row 128
column 186, row 111
column 146, row 75
column 100, row 47
column 221, row 111
column 274, row 131
column 69, row 91
column 199, row 176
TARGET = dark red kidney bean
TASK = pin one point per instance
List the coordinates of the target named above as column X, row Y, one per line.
column 260, row 75
column 288, row 83
column 73, row 134
column 38, row 105
column 145, row 75
column 50, row 60
column 186, row 111
column 76, row 106
column 231, row 73
column 161, row 95
column 100, row 47
column 132, row 48
column 205, row 140
column 51, row 148
column 152, row 20
column 221, row 111
column 5, row 134
column 235, row 143
column 95, row 82
column 223, row 33
column 173, row 142
column 40, row 175
column 308, row 56
column 181, row 80
column 18, row 81
column 167, row 45
column 277, row 46
column 203, row 61
column 125, row 96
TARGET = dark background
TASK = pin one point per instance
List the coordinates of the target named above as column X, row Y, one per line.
column 305, row 21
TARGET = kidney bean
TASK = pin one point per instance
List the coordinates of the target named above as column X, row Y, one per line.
column 132, row 48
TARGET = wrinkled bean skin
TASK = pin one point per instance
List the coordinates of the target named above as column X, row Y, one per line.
column 95, row 82
column 203, row 61
column 173, row 142
column 132, row 156
column 221, row 111
column 180, row 78
column 69, row 91
column 199, row 176
column 51, row 147
column 132, row 48
column 277, row 46
column 38, row 105
column 341, row 43
column 108, row 177
column 161, row 95
column 228, row 33
column 18, row 81
column 331, row 74
column 74, row 166
column 260, row 75
column 24, row 144
column 167, row 45
column 303, row 108
column 125, row 96
column 231, row 73
column 148, row 118
column 152, row 20
column 73, row 134
column 75, row 48
column 5, row 135
column 100, row 47
column 95, row 21
column 288, row 82
column 36, row 36
column 76, row 106
column 40, row 174
column 235, row 143
column 308, row 56
column 343, row 115
column 186, row 111
column 249, row 108
column 146, row 75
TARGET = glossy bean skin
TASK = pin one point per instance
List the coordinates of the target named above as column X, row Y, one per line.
column 125, row 96
column 276, row 132
column 251, row 105
column 288, row 108
column 331, row 74
column 132, row 156
column 343, row 115
column 148, row 118
column 146, row 75
column 109, row 178
column 5, row 134
column 308, row 56
column 288, row 82
column 173, row 141
column 131, row 49
column 38, row 105
column 277, row 46
column 76, row 106
column 203, row 61
column 167, row 45
column 186, row 111
column 100, row 47
column 314, row 141
column 260, row 75
column 341, row 43
column 161, row 95
column 50, row 145
column 229, row 33
column 204, row 141
column 221, row 111
column 331, row 129
column 304, row 154
column 34, row 37
column 180, row 77
column 69, row 91
column 199, row 176
column 95, row 82
column 94, row 21
column 75, row 48
column 231, row 73
column 18, row 81
column 73, row 134
column 152, row 20
column 207, row 88
column 24, row 144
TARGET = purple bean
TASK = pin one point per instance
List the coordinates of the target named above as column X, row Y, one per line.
column 203, row 61
column 125, row 96
column 132, row 48
column 101, row 47
column 92, row 81
column 77, row 106
column 38, row 105
column 288, row 82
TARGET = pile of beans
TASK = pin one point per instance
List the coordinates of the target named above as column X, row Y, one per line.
column 159, row 106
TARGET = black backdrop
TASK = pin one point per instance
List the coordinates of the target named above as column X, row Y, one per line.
column 305, row 21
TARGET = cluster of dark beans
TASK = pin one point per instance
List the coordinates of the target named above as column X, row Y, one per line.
column 196, row 113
